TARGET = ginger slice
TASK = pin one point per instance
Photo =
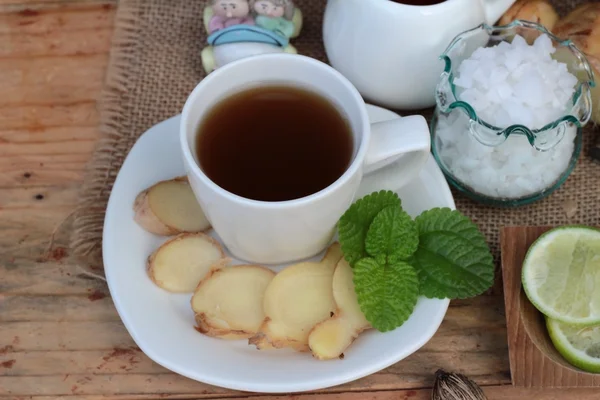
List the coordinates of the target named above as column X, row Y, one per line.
column 297, row 298
column 330, row 338
column 582, row 26
column 228, row 301
column 181, row 262
column 168, row 208
column 538, row 11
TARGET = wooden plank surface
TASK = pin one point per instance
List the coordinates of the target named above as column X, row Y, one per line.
column 533, row 359
column 60, row 335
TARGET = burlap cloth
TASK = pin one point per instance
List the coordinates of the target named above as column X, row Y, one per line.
column 155, row 63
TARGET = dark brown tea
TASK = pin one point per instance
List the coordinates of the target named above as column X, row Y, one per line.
column 419, row 2
column 274, row 143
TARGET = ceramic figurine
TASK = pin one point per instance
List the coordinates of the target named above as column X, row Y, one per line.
column 275, row 15
column 242, row 28
column 227, row 13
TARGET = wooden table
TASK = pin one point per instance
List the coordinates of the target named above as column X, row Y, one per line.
column 59, row 332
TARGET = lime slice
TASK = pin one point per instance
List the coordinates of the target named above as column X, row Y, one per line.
column 561, row 275
column 579, row 345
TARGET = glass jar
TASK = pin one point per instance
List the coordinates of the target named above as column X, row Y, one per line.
column 515, row 164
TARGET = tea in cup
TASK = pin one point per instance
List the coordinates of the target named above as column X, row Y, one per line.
column 290, row 142
column 275, row 148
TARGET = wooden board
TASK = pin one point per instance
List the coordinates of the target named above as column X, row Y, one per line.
column 534, row 362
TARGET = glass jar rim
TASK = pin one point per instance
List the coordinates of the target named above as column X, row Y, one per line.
column 581, row 93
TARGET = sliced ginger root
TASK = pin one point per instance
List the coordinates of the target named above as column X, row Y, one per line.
column 297, row 299
column 168, row 208
column 228, row 302
column 539, row 11
column 183, row 261
column 330, row 338
column 582, row 26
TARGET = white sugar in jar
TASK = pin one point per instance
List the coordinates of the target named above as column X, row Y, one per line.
column 507, row 127
column 512, row 170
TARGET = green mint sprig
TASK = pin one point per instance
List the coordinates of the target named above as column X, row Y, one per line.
column 440, row 254
column 387, row 293
column 355, row 223
column 453, row 259
column 392, row 236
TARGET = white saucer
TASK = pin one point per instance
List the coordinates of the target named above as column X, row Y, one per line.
column 162, row 324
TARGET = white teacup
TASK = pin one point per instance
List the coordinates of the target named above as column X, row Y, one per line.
column 280, row 232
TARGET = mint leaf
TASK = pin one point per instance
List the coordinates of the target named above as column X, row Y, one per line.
column 453, row 259
column 354, row 224
column 392, row 236
column 387, row 294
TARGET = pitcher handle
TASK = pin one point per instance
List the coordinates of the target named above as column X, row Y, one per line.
column 494, row 9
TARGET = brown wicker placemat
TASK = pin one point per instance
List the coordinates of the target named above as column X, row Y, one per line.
column 155, row 63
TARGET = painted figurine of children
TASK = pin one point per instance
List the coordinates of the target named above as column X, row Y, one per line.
column 274, row 15
column 229, row 12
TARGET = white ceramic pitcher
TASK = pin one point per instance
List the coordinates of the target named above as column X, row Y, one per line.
column 390, row 51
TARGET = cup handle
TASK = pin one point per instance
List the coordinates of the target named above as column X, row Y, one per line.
column 406, row 143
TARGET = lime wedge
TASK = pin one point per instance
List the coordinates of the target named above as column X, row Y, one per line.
column 579, row 345
column 561, row 275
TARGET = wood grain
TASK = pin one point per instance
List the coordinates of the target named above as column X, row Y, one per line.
column 534, row 362
column 60, row 336
column 493, row 393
